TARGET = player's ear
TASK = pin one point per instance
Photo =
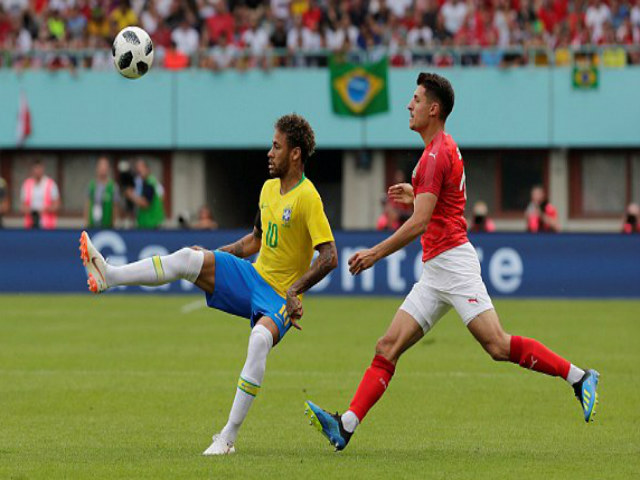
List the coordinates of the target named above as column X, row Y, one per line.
column 296, row 153
column 434, row 109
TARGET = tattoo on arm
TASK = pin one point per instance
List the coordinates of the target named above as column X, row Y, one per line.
column 327, row 260
column 238, row 248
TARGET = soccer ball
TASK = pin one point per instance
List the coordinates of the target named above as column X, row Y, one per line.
column 132, row 52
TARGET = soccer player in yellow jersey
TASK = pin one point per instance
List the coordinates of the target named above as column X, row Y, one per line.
column 290, row 224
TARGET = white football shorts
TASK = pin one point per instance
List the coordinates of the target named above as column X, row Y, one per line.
column 451, row 279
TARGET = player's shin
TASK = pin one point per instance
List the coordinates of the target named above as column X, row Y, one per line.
column 531, row 354
column 186, row 264
column 260, row 343
column 372, row 386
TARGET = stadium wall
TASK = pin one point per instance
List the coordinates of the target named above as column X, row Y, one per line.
column 513, row 265
column 522, row 107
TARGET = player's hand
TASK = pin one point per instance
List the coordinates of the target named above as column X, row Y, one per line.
column 294, row 310
column 362, row 260
column 401, row 193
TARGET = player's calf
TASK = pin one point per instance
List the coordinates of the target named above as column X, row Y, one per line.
column 498, row 348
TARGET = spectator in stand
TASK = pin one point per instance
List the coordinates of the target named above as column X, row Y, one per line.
column 185, row 36
column 99, row 25
column 620, row 11
column 301, row 39
column 631, row 222
column 399, row 52
column 501, row 23
column 634, row 16
column 5, row 26
column 32, row 31
column 150, row 19
column 597, row 15
column 101, row 208
column 147, row 196
column 345, row 33
column 161, row 39
column 4, row 199
column 429, row 12
column 256, row 40
column 205, row 219
column 420, row 36
column 389, row 219
column 627, row 33
column 454, row 13
column 399, row 7
column 481, row 221
column 540, row 215
column 123, row 15
column 40, row 199
column 174, row 59
column 76, row 22
column 221, row 56
column 280, row 9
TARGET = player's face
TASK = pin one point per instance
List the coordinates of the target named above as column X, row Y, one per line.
column 420, row 110
column 279, row 155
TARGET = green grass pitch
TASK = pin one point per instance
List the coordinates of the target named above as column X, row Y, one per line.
column 134, row 387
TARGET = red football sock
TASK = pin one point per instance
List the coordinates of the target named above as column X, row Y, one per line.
column 531, row 354
column 372, row 386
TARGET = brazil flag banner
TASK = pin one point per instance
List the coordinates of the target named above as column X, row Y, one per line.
column 359, row 89
column 585, row 77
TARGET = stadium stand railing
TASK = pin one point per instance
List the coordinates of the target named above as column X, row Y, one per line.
column 610, row 56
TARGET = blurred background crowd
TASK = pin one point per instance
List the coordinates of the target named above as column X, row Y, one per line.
column 220, row 34
column 134, row 198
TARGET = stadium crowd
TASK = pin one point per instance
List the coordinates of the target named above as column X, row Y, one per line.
column 219, row 34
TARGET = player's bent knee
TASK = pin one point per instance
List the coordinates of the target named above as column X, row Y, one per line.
column 206, row 277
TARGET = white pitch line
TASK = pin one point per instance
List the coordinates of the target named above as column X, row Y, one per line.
column 192, row 306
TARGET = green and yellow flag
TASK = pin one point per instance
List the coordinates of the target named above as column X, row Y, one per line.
column 585, row 77
column 359, row 90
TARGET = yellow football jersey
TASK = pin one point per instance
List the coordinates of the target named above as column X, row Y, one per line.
column 292, row 225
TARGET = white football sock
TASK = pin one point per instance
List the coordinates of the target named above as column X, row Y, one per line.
column 260, row 343
column 575, row 374
column 185, row 263
column 349, row 421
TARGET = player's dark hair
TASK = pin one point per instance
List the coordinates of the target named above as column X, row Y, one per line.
column 440, row 89
column 299, row 134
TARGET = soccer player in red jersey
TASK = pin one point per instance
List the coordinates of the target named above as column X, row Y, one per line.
column 450, row 277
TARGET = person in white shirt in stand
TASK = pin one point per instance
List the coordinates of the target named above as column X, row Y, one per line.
column 597, row 15
column 186, row 37
column 454, row 12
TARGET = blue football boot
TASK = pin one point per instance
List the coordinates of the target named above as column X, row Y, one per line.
column 330, row 425
column 586, row 393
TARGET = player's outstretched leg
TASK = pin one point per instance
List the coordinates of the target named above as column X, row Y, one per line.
column 533, row 355
column 186, row 264
column 261, row 341
column 403, row 332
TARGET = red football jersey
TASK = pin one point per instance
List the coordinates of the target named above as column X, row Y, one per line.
column 440, row 171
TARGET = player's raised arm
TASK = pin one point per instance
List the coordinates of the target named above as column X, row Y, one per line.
column 326, row 261
column 247, row 245
column 409, row 231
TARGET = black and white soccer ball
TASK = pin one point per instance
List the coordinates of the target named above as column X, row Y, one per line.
column 132, row 52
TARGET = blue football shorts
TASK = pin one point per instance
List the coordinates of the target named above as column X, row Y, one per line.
column 240, row 290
